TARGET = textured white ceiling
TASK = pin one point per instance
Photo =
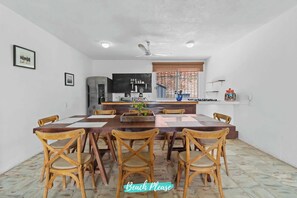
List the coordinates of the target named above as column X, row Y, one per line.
column 168, row 24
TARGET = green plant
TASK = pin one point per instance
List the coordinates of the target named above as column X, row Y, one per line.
column 139, row 106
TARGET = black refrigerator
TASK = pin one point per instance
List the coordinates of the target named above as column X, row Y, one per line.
column 99, row 89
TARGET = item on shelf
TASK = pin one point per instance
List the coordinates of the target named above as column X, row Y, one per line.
column 203, row 99
column 230, row 95
column 179, row 95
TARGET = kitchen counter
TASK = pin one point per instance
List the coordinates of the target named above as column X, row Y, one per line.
column 218, row 103
column 156, row 106
column 150, row 102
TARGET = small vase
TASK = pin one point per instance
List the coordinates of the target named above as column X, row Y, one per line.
column 179, row 97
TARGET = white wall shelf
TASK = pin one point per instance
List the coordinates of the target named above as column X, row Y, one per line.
column 214, row 91
column 217, row 81
column 213, row 88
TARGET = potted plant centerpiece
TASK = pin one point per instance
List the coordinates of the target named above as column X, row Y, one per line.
column 140, row 114
column 140, row 108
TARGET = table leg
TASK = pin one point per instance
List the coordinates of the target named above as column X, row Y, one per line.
column 84, row 140
column 98, row 159
column 208, row 178
column 170, row 146
column 111, row 148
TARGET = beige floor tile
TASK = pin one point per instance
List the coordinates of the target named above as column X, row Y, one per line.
column 253, row 174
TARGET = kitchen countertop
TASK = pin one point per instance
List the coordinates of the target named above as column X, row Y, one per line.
column 151, row 102
column 220, row 102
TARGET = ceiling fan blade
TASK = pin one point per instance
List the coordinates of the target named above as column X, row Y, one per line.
column 142, row 47
column 145, row 55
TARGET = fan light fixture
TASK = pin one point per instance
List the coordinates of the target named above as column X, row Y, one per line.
column 190, row 44
column 105, row 44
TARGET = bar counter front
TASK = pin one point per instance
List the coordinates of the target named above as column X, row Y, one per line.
column 156, row 106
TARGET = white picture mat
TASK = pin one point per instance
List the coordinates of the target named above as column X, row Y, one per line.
column 87, row 125
column 25, row 53
column 68, row 120
column 101, row 116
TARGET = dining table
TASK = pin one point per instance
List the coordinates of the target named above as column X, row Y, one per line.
column 104, row 124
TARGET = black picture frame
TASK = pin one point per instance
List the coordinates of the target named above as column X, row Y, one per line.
column 69, row 79
column 23, row 57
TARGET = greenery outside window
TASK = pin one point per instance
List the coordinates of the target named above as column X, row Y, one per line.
column 169, row 82
column 176, row 76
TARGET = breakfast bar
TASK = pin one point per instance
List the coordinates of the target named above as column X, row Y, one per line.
column 155, row 106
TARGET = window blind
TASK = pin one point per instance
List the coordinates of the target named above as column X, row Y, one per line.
column 177, row 66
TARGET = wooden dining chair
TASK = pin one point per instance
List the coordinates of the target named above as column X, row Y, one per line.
column 206, row 143
column 104, row 136
column 105, row 112
column 131, row 161
column 201, row 162
column 59, row 144
column 168, row 135
column 135, row 111
column 61, row 164
column 222, row 117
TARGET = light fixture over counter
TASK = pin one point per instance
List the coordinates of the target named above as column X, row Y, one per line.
column 105, row 44
column 190, row 44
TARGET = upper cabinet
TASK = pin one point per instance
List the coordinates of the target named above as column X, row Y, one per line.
column 137, row 82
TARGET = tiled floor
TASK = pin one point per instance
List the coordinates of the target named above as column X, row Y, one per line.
column 253, row 174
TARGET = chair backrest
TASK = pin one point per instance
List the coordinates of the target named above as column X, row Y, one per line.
column 222, row 117
column 174, row 111
column 49, row 119
column 148, row 136
column 193, row 137
column 57, row 153
column 105, row 112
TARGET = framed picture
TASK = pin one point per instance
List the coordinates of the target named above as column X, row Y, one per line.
column 23, row 57
column 69, row 79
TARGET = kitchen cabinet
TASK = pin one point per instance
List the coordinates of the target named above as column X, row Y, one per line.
column 126, row 83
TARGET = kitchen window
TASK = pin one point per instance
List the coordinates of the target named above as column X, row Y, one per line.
column 172, row 77
column 169, row 82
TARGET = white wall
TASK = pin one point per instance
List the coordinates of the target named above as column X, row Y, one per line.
column 27, row 95
column 107, row 67
column 263, row 64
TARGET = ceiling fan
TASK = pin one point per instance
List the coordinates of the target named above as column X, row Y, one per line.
column 147, row 51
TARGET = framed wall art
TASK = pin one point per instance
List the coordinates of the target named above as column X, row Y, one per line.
column 69, row 79
column 23, row 57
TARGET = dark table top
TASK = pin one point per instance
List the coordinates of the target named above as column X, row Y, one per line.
column 173, row 122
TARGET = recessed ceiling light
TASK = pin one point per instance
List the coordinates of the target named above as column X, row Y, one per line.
column 190, row 44
column 105, row 44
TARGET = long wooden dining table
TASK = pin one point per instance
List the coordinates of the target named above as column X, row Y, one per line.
column 165, row 123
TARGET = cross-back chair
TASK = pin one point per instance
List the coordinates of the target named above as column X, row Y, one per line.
column 132, row 160
column 61, row 164
column 226, row 119
column 105, row 112
column 222, row 117
column 201, row 162
column 57, row 144
column 168, row 135
column 104, row 136
column 135, row 111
